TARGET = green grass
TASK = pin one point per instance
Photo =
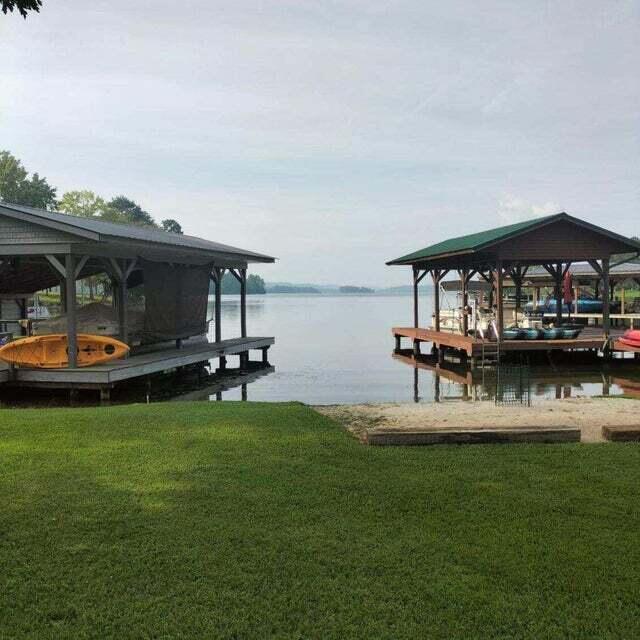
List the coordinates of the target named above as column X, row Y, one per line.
column 229, row 520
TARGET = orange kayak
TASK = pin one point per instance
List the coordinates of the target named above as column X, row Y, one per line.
column 50, row 351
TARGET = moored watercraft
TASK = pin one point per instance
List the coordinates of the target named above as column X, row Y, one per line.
column 50, row 351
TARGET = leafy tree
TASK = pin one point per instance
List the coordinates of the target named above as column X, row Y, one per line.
column 172, row 226
column 87, row 204
column 22, row 6
column 132, row 212
column 18, row 188
column 230, row 285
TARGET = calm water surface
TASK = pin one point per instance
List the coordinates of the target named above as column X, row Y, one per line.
column 338, row 349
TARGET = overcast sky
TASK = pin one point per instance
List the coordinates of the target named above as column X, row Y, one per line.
column 333, row 135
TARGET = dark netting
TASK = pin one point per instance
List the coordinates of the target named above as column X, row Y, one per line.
column 175, row 300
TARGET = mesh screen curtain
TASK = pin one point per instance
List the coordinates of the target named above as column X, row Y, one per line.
column 175, row 300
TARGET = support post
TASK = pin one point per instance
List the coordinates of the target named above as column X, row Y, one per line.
column 416, row 344
column 415, row 297
column 63, row 295
column 122, row 310
column 558, row 293
column 517, row 274
column 436, row 299
column 244, row 362
column 265, row 356
column 499, row 301
column 464, row 277
column 70, row 289
column 218, row 273
column 606, row 321
column 243, row 303
column 105, row 396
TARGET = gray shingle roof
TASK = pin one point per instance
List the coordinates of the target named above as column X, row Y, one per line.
column 128, row 232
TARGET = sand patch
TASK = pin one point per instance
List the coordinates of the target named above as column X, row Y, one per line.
column 587, row 414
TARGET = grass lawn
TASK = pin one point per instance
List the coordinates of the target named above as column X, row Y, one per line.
column 241, row 520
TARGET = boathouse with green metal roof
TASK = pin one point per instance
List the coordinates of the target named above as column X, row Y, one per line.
column 552, row 242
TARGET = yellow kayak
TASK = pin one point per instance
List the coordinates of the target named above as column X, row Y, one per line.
column 50, row 351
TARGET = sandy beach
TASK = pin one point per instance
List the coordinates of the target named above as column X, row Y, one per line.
column 588, row 414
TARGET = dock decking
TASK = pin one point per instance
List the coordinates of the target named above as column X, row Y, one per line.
column 475, row 347
column 142, row 364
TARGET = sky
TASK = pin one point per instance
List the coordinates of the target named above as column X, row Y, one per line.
column 332, row 135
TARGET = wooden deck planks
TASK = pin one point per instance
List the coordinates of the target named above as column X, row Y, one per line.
column 139, row 365
column 474, row 347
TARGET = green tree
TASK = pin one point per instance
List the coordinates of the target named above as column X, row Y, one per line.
column 18, row 188
column 132, row 212
column 22, row 6
column 230, row 284
column 87, row 204
column 172, row 226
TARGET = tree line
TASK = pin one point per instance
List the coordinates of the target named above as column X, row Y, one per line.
column 17, row 186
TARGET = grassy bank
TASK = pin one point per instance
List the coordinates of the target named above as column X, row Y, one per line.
column 250, row 521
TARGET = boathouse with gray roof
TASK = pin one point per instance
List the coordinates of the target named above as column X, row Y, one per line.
column 44, row 249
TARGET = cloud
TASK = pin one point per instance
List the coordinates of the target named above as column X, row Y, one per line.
column 332, row 135
column 512, row 209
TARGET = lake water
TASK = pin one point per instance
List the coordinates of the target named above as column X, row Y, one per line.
column 338, row 349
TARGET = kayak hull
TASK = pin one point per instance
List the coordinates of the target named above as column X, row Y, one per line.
column 50, row 351
column 630, row 343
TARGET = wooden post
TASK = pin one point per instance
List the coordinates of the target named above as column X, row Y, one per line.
column 517, row 275
column 70, row 289
column 243, row 303
column 622, row 305
column 436, row 299
column 415, row 297
column 105, row 396
column 122, row 306
column 606, row 322
column 63, row 296
column 499, row 301
column 464, row 276
column 218, row 273
column 558, row 293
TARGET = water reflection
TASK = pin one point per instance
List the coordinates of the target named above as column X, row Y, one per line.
column 455, row 381
column 196, row 382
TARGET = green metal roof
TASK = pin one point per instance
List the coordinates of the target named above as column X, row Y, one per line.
column 485, row 239
column 473, row 241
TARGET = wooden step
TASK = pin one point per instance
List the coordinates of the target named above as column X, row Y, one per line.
column 621, row 434
column 389, row 437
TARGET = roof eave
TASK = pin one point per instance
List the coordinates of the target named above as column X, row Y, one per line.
column 24, row 216
column 440, row 256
